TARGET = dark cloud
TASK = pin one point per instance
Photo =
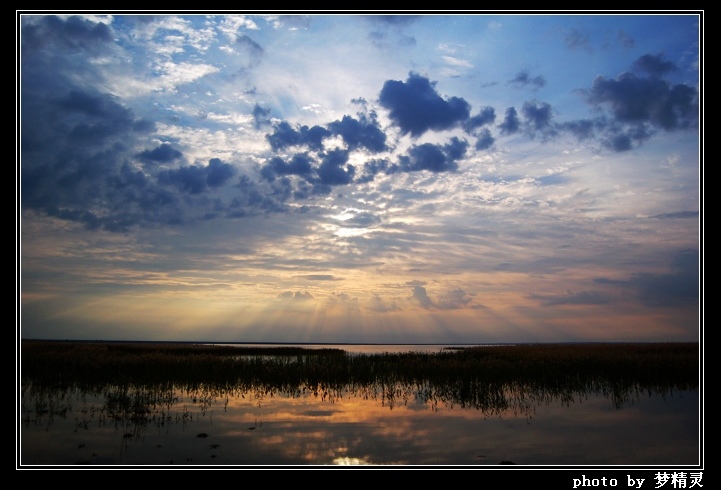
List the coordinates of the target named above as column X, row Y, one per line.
column 93, row 105
column 677, row 288
column 191, row 179
column 301, row 164
column 486, row 115
column 318, row 277
column 415, row 106
column 261, row 116
column 537, row 116
column 375, row 166
column 362, row 220
column 364, row 132
column 582, row 129
column 196, row 179
column 485, row 140
column 333, row 169
column 85, row 120
column 77, row 146
column 297, row 296
column 636, row 101
column 640, row 106
column 285, row 136
column 313, row 137
column 572, row 298
column 73, row 33
column 654, row 66
column 435, row 158
column 162, row 154
column 421, row 296
column 677, row 215
column 252, row 51
column 624, row 139
column 524, row 79
column 218, row 173
column 395, row 20
column 576, row 39
column 510, row 124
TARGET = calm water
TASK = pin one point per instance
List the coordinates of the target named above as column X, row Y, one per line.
column 367, row 348
column 354, row 426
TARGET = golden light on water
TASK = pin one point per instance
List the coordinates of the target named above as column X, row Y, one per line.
column 345, row 461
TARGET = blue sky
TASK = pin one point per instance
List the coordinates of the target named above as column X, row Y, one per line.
column 359, row 178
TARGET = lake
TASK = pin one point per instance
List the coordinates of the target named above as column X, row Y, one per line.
column 386, row 421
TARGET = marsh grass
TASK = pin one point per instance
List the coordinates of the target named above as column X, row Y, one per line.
column 488, row 378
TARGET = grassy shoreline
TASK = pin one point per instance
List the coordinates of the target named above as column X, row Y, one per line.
column 673, row 362
column 487, row 378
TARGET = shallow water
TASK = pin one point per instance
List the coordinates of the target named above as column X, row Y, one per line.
column 256, row 429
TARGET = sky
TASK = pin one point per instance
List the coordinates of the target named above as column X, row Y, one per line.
column 357, row 178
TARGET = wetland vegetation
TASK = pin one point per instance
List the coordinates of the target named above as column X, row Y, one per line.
column 135, row 387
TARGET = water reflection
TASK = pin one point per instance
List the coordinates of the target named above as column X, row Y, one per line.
column 372, row 416
column 385, row 425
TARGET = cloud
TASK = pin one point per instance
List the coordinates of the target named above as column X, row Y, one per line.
column 677, row 215
column 537, row 116
column 164, row 153
column 74, row 33
column 250, row 50
column 364, row 132
column 362, row 220
column 286, row 136
column 318, row 277
column 635, row 100
column 378, row 304
column 332, row 171
column 625, row 39
column 510, row 124
column 415, row 106
column 196, row 179
column 486, row 115
column 485, row 140
column 300, row 164
column 454, row 299
column 572, row 298
column 582, row 129
column 436, row 158
column 297, row 296
column 420, row 295
column 388, row 32
column 291, row 22
column 449, row 300
column 261, row 116
column 524, row 79
column 374, row 166
column 653, row 65
column 576, row 39
column 680, row 287
column 395, row 20
column 88, row 158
